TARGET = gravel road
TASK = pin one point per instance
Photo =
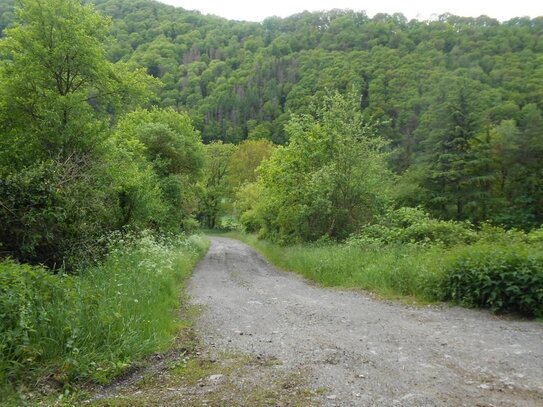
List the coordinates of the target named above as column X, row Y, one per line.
column 359, row 351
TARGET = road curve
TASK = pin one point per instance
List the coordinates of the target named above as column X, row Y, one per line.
column 363, row 351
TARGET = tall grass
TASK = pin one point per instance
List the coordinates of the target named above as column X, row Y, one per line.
column 93, row 325
column 504, row 273
column 389, row 271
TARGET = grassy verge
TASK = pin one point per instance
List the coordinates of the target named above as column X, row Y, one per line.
column 502, row 276
column 58, row 329
column 400, row 272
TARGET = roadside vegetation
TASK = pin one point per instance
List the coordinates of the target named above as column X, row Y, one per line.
column 327, row 206
column 59, row 330
column 98, row 196
column 405, row 159
column 498, row 270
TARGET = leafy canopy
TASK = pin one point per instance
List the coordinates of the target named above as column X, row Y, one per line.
column 57, row 85
column 330, row 179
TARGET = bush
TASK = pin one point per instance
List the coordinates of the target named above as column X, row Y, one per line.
column 499, row 278
column 227, row 223
column 414, row 226
column 250, row 222
column 495, row 235
column 535, row 236
column 52, row 212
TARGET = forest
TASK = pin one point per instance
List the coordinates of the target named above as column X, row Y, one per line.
column 400, row 156
column 417, row 80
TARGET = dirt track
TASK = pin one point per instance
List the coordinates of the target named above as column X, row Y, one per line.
column 358, row 351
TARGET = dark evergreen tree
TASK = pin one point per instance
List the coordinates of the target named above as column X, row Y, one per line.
column 450, row 155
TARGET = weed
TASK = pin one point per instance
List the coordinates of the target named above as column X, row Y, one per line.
column 94, row 325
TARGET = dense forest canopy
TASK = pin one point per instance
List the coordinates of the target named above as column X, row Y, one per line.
column 459, row 100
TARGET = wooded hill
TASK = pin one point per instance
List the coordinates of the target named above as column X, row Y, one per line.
column 407, row 159
column 458, row 99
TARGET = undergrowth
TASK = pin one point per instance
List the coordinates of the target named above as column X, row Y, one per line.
column 497, row 277
column 92, row 326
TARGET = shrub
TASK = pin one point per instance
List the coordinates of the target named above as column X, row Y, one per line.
column 499, row 278
column 414, row 226
column 228, row 223
column 52, row 212
column 535, row 236
column 250, row 222
column 493, row 234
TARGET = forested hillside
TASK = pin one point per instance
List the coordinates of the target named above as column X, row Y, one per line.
column 476, row 78
column 403, row 157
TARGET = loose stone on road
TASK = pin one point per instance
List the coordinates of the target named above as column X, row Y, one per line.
column 354, row 350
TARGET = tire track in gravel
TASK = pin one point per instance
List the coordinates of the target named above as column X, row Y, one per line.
column 365, row 352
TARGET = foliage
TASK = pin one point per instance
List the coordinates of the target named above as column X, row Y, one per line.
column 171, row 142
column 451, row 181
column 42, row 215
column 228, row 170
column 245, row 161
column 136, row 191
column 94, row 325
column 58, row 94
column 501, row 278
column 57, row 84
column 428, row 82
column 215, row 188
column 413, row 226
column 445, row 119
column 459, row 99
column 535, row 236
column 247, row 198
column 243, row 176
column 329, row 180
column 158, row 146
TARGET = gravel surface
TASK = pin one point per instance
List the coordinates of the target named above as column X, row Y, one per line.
column 359, row 351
